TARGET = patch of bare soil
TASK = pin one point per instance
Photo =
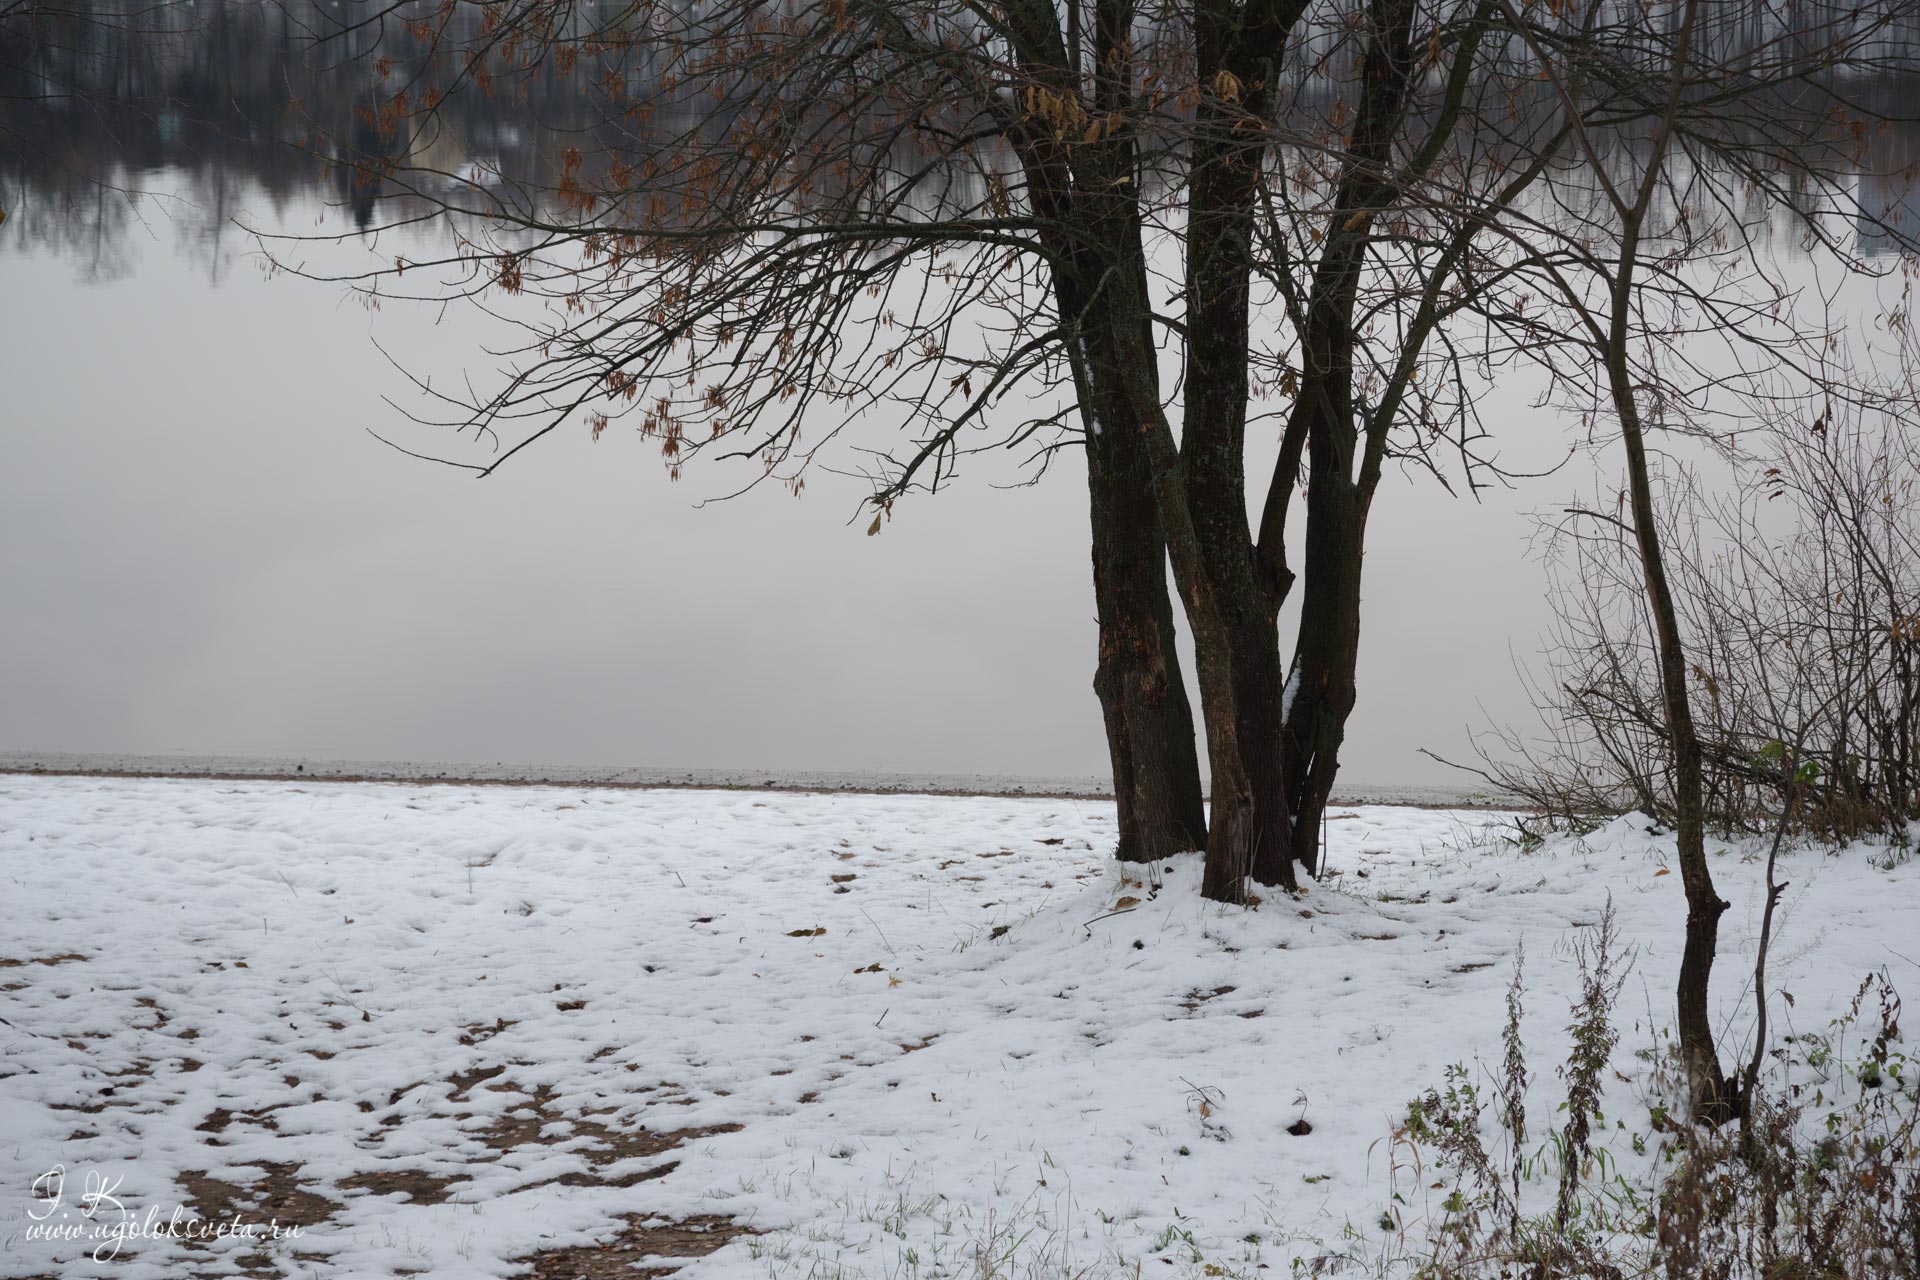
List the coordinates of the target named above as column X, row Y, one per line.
column 538, row 1123
column 619, row 1258
column 1196, row 997
column 418, row 1185
column 253, row 1266
column 605, row 1144
column 475, row 1032
column 220, row 1118
column 277, row 1195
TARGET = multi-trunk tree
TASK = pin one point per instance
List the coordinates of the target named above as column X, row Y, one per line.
column 1185, row 222
column 1171, row 233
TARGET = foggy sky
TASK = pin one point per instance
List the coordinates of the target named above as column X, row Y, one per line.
column 207, row 552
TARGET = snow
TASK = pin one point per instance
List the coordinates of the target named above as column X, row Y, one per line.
column 944, row 1034
column 1093, row 414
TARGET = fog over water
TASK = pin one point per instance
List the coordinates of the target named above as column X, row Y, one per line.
column 208, row 552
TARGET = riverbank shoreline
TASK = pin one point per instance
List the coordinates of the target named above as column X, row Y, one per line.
column 233, row 768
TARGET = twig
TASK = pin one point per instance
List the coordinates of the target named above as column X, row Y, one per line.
column 883, row 937
column 1088, row 926
column 1774, row 890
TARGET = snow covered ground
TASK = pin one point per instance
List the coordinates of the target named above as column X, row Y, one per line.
column 471, row 1031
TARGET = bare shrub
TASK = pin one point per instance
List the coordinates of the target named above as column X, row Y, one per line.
column 1484, row 1229
column 1798, row 586
column 1811, row 1185
column 1765, row 1201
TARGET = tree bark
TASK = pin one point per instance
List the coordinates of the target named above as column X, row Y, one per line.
column 1271, row 770
column 1710, row 1098
column 1239, row 60
column 1143, row 695
column 1130, row 418
column 1092, row 231
column 1326, row 653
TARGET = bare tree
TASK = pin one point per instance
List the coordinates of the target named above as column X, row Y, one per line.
column 786, row 219
column 1796, row 580
column 1610, row 326
column 1666, row 310
column 1124, row 227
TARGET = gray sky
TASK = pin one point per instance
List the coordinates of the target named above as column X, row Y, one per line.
column 206, row 552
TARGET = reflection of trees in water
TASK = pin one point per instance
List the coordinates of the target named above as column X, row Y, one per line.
column 1890, row 179
column 244, row 103
column 247, row 104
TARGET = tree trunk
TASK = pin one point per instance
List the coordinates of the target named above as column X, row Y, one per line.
column 1341, row 447
column 1711, row 1100
column 1247, row 601
column 1240, row 65
column 1143, row 697
column 1129, row 420
column 1326, row 653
